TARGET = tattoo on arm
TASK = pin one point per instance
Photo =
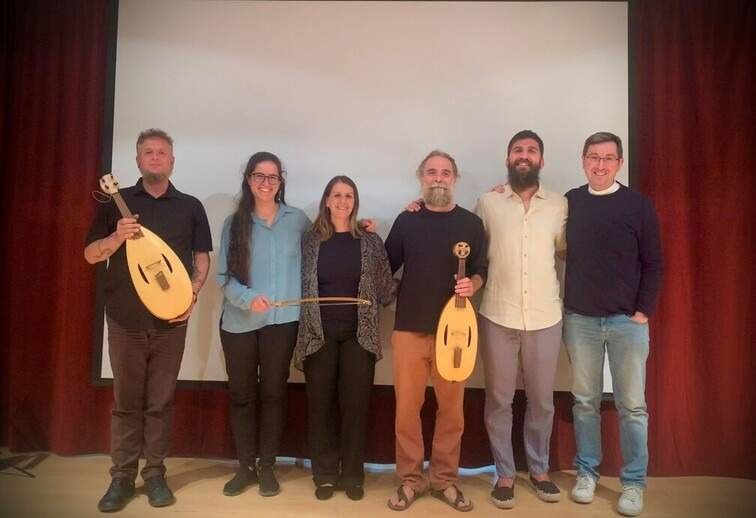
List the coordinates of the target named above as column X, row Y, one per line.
column 201, row 269
column 104, row 252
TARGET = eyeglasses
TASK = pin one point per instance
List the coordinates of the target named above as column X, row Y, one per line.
column 273, row 179
column 608, row 160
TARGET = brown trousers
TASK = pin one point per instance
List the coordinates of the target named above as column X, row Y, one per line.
column 145, row 367
column 414, row 361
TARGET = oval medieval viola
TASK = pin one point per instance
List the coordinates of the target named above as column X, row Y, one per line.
column 457, row 332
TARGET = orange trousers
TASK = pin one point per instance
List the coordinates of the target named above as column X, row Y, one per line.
column 414, row 361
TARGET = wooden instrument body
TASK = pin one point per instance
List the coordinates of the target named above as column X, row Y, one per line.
column 159, row 277
column 456, row 340
column 457, row 331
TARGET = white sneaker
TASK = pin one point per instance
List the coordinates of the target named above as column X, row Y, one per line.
column 630, row 502
column 583, row 490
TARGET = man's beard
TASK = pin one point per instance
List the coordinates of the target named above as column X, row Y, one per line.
column 521, row 180
column 154, row 178
column 437, row 196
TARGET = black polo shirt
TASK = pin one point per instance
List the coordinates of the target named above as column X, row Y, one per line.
column 179, row 220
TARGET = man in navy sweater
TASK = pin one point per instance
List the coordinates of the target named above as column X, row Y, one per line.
column 613, row 274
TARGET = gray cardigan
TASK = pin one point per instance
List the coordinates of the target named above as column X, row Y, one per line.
column 376, row 285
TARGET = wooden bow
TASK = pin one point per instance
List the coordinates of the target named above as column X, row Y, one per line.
column 324, row 301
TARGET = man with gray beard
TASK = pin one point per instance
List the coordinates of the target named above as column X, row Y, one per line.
column 422, row 243
column 521, row 314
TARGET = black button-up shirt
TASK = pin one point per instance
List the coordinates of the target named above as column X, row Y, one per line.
column 179, row 220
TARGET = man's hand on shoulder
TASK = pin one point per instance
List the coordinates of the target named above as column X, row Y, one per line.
column 414, row 205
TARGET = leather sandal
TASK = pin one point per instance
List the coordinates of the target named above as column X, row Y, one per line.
column 405, row 500
column 458, row 504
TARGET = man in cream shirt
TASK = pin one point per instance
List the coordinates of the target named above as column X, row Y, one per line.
column 521, row 313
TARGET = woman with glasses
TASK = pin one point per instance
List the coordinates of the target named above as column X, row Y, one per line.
column 259, row 263
column 338, row 345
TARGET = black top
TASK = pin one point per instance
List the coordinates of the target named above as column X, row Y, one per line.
column 339, row 267
column 179, row 220
column 614, row 257
column 422, row 242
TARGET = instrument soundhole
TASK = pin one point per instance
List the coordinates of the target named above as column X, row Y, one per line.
column 168, row 263
column 144, row 277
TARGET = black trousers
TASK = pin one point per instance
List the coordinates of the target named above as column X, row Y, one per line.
column 145, row 367
column 257, row 364
column 339, row 378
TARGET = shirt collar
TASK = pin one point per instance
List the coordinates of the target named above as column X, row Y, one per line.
column 171, row 192
column 540, row 193
column 283, row 209
column 614, row 188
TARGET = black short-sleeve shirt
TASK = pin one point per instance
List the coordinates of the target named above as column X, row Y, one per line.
column 179, row 220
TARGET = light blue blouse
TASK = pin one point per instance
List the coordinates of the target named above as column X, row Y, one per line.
column 276, row 271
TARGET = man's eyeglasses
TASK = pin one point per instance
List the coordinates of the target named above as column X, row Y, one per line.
column 608, row 160
column 260, row 178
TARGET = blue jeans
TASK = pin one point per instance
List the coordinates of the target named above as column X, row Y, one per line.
column 587, row 339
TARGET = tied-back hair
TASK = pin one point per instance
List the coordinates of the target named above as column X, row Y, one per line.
column 240, row 237
column 323, row 225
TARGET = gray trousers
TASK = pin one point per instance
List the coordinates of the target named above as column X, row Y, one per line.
column 502, row 349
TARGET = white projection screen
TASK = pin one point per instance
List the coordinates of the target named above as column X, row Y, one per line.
column 364, row 89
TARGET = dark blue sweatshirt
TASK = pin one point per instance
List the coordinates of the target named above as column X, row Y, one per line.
column 614, row 257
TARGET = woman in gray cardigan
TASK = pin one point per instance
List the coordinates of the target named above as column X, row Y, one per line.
column 338, row 345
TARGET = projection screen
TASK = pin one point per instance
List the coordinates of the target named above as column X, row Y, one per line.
column 365, row 89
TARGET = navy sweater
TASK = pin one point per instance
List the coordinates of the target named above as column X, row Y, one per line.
column 614, row 257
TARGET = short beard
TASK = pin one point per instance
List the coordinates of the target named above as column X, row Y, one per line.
column 437, row 196
column 521, row 180
column 154, row 178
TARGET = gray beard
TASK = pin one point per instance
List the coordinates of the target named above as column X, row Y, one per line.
column 437, row 196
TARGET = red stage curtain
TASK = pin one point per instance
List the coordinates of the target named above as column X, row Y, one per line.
column 53, row 84
column 694, row 152
column 693, row 113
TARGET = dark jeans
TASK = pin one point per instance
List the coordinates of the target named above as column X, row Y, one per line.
column 145, row 367
column 257, row 364
column 339, row 379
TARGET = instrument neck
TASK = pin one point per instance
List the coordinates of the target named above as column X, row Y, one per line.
column 459, row 300
column 124, row 209
column 118, row 199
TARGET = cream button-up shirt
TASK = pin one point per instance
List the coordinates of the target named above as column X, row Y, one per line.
column 522, row 290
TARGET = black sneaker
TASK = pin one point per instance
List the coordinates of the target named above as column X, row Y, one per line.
column 546, row 490
column 355, row 492
column 268, row 484
column 119, row 493
column 244, row 477
column 503, row 497
column 158, row 492
column 324, row 492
